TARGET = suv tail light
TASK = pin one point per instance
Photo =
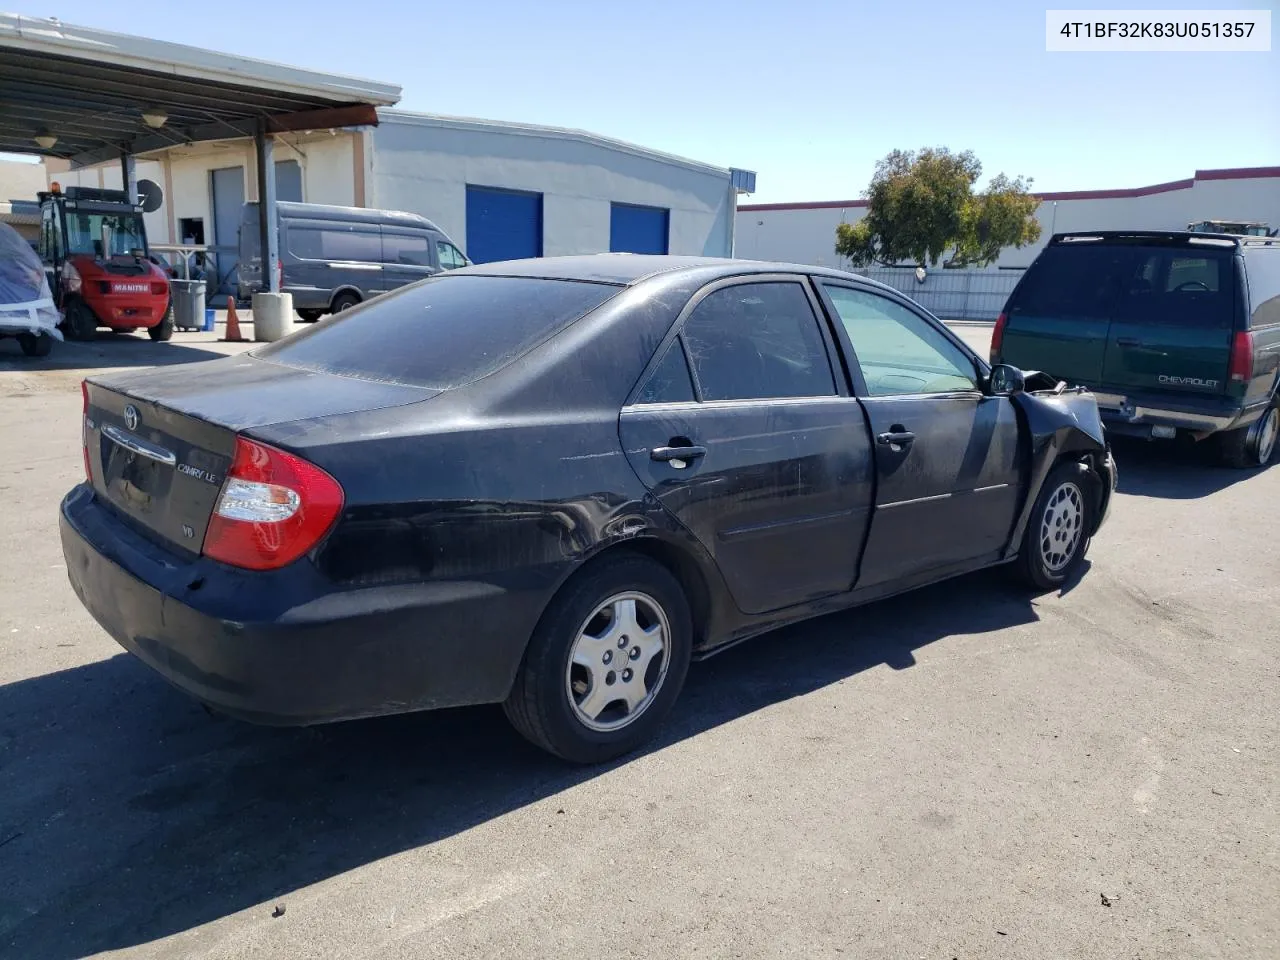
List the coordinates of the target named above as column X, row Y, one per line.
column 84, row 429
column 273, row 508
column 1240, row 367
column 997, row 336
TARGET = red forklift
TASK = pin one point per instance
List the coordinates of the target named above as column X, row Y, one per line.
column 94, row 246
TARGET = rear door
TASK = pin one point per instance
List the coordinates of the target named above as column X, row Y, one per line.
column 759, row 454
column 949, row 459
column 1059, row 315
column 1172, row 324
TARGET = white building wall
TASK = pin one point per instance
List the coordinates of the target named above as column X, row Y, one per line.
column 423, row 165
column 20, row 180
column 805, row 234
column 328, row 176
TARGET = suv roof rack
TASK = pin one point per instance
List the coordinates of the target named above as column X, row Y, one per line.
column 1163, row 237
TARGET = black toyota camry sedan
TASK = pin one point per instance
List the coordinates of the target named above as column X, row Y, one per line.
column 551, row 483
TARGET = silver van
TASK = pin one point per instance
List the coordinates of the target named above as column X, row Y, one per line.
column 332, row 258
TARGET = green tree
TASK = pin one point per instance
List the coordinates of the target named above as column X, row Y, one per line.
column 921, row 204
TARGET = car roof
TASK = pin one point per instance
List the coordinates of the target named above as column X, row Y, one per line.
column 626, row 269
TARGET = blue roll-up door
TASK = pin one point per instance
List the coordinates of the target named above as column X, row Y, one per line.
column 634, row 229
column 503, row 224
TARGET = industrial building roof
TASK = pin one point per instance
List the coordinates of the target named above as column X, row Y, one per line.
column 90, row 89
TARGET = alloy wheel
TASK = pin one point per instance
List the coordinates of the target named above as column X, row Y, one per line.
column 618, row 661
column 1061, row 527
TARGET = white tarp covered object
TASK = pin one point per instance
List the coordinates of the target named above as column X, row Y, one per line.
column 26, row 305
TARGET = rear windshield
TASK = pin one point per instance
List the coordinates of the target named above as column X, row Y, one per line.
column 442, row 332
column 1184, row 286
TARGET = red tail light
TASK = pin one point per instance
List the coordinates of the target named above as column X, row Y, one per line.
column 84, row 428
column 997, row 336
column 273, row 508
column 279, row 274
column 1240, row 367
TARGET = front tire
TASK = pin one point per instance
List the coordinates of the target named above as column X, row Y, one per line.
column 80, row 322
column 1059, row 528
column 1252, row 446
column 309, row 316
column 605, row 663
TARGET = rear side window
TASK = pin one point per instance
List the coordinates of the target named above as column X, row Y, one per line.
column 412, row 249
column 1072, row 281
column 442, row 332
column 757, row 341
column 669, row 382
column 1262, row 268
column 337, row 241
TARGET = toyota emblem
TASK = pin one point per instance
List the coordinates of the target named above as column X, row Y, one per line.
column 131, row 417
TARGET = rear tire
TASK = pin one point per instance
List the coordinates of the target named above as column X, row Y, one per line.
column 35, row 344
column 1059, row 528
column 1252, row 446
column 162, row 330
column 344, row 301
column 79, row 322
column 310, row 316
column 579, row 657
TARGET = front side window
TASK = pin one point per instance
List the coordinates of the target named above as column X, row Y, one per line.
column 898, row 350
column 406, row 248
column 451, row 257
column 758, row 341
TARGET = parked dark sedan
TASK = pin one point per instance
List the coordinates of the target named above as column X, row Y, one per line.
column 551, row 483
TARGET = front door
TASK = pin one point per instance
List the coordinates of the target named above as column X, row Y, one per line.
column 948, row 462
column 226, row 188
column 765, row 461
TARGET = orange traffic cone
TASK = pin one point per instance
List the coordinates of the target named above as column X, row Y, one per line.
column 233, row 325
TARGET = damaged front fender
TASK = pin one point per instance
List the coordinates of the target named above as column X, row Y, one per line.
column 1063, row 423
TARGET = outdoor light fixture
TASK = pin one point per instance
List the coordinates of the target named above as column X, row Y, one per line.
column 920, row 274
column 155, row 118
column 45, row 140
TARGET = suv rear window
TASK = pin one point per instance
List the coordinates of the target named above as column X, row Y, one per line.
column 1072, row 281
column 443, row 332
column 1167, row 285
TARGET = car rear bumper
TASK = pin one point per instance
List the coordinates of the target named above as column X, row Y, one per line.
column 1136, row 414
column 332, row 655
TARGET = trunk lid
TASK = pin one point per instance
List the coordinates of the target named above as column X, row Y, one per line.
column 161, row 441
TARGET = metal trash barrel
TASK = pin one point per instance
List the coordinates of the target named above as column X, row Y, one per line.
column 188, row 303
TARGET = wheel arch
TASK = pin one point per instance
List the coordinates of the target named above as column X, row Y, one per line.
column 346, row 288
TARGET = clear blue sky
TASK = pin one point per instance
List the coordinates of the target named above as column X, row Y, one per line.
column 808, row 94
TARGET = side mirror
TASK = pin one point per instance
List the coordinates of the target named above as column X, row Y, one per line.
column 1006, row 380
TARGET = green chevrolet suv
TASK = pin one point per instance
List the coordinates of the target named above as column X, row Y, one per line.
column 1175, row 333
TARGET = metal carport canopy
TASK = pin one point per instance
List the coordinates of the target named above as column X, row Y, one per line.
column 90, row 88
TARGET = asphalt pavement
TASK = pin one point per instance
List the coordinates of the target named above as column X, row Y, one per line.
column 968, row 772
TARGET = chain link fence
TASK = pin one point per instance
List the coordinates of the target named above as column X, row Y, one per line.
column 952, row 294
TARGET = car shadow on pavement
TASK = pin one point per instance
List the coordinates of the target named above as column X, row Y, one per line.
column 106, row 351
column 1173, row 471
column 129, row 814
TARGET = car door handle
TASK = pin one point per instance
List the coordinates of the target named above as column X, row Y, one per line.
column 1128, row 342
column 896, row 438
column 667, row 454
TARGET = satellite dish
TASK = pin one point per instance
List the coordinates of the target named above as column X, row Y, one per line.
column 150, row 195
